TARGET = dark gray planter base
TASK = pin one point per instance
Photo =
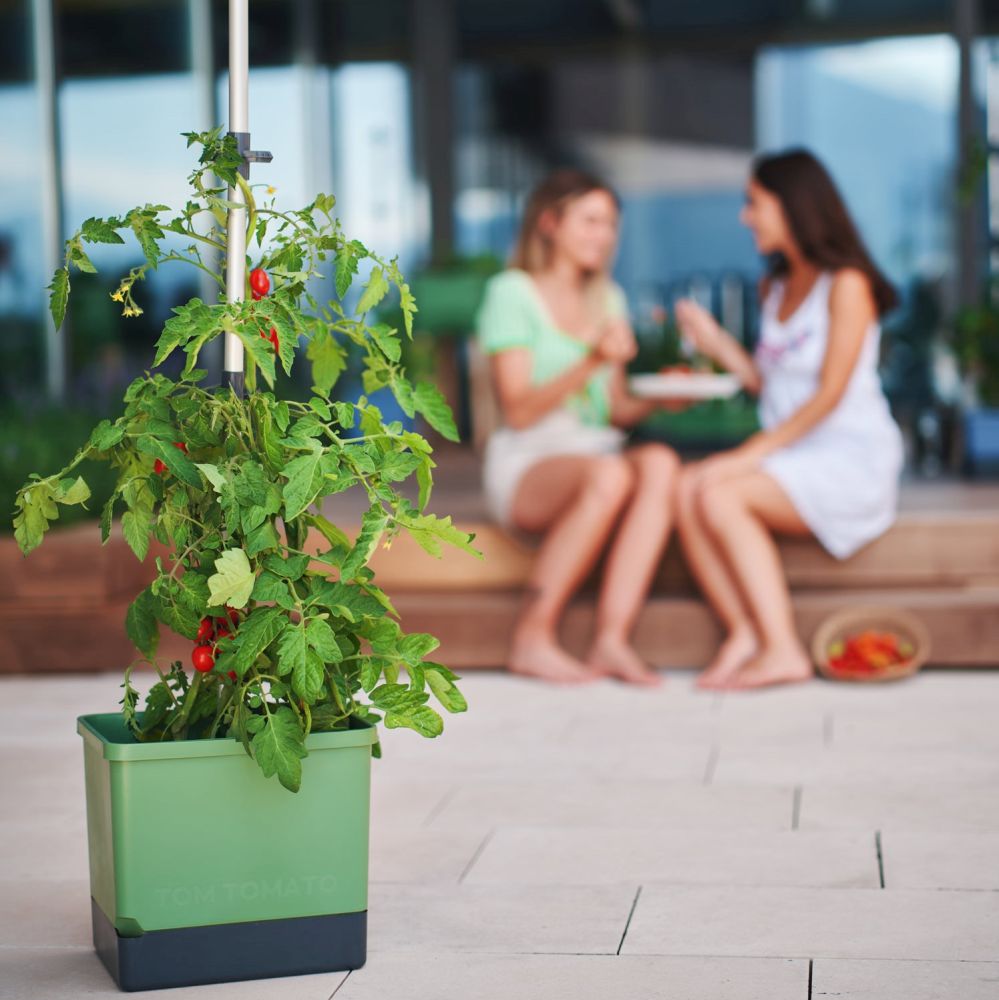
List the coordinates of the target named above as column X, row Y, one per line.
column 222, row 953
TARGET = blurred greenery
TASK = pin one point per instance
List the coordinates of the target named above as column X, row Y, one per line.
column 976, row 341
column 704, row 427
column 43, row 440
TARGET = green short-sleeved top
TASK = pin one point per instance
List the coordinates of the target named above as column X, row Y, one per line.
column 513, row 314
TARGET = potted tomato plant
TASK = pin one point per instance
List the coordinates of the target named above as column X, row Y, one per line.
column 227, row 811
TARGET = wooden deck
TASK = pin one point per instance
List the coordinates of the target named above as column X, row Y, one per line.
column 63, row 609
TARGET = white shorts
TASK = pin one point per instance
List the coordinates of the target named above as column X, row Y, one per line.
column 510, row 453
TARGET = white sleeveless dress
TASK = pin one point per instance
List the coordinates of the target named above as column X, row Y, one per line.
column 842, row 477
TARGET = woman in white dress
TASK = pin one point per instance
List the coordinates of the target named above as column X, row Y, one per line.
column 827, row 460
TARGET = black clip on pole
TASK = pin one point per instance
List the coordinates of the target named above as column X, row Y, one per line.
column 236, row 381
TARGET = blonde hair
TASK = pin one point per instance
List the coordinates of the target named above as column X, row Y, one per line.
column 533, row 249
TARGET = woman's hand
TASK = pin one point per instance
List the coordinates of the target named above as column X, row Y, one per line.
column 616, row 343
column 739, row 461
column 699, row 328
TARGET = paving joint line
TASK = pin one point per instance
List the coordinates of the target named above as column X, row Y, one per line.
column 711, row 765
column 627, row 924
column 440, row 807
column 881, row 858
column 342, row 983
column 796, row 807
column 811, row 966
column 475, row 857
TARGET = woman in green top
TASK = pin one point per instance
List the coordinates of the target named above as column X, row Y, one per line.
column 556, row 329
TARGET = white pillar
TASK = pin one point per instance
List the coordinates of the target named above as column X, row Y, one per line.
column 43, row 40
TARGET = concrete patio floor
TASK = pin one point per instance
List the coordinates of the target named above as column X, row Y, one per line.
column 602, row 842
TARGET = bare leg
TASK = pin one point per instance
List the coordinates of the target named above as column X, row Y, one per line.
column 742, row 514
column 715, row 578
column 632, row 562
column 576, row 500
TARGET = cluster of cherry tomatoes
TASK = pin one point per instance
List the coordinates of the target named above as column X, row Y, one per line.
column 868, row 653
column 260, row 285
column 210, row 632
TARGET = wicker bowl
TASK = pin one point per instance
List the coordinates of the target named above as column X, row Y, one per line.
column 850, row 621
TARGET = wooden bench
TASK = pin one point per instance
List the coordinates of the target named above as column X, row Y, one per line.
column 945, row 568
column 63, row 609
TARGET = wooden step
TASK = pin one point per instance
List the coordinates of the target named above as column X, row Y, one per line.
column 921, row 550
column 475, row 628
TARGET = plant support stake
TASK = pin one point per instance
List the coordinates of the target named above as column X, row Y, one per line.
column 233, row 376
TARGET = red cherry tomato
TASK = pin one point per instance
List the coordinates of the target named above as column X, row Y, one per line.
column 181, row 446
column 202, row 658
column 260, row 284
column 159, row 467
column 273, row 338
column 232, row 676
column 206, row 629
column 233, row 614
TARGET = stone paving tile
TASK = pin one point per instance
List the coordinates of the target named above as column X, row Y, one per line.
column 834, row 765
column 881, row 980
column 664, row 805
column 54, row 913
column 44, row 849
column 816, row 923
column 440, row 976
column 940, row 860
column 72, row 973
column 506, row 919
column 42, row 782
column 903, row 805
column 403, row 854
column 566, row 856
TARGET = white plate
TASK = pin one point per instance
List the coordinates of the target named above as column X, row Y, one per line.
column 684, row 385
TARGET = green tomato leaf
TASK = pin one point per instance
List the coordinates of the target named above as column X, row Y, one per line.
column 262, row 538
column 373, row 523
column 232, row 582
column 433, row 406
column 416, row 646
column 320, row 638
column 279, row 748
column 99, row 231
column 105, row 436
column 107, row 514
column 254, row 635
column 441, row 682
column 59, row 297
column 423, row 720
column 430, row 531
column 136, row 526
column 305, row 480
column 329, row 360
column 375, row 289
column 292, row 648
column 141, row 624
column 172, row 457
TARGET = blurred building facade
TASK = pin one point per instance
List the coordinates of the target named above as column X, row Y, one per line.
column 431, row 119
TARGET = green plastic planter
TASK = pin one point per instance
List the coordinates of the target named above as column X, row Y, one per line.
column 202, row 870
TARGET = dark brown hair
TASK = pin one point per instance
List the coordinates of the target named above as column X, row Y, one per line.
column 819, row 220
column 559, row 189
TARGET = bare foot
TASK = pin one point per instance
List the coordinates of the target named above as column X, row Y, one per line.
column 772, row 667
column 538, row 655
column 613, row 657
column 733, row 653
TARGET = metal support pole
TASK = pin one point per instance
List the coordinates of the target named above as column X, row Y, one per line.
column 970, row 212
column 43, row 43
column 239, row 124
column 435, row 41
